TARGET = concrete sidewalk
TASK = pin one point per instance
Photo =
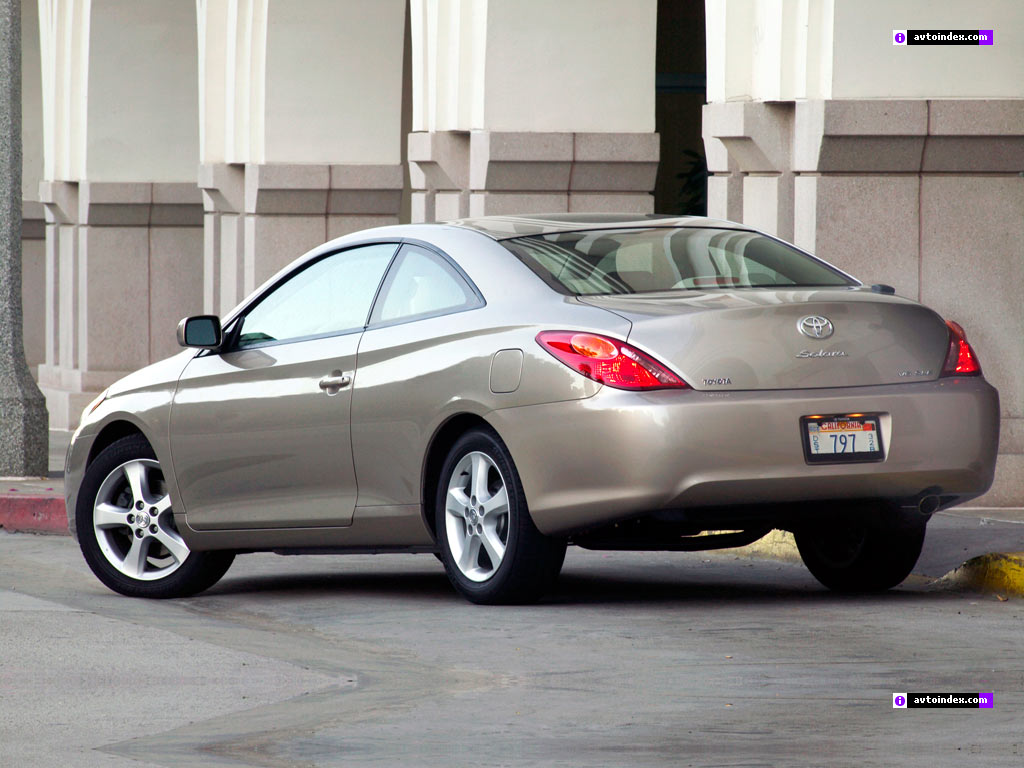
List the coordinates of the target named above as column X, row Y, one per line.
column 978, row 547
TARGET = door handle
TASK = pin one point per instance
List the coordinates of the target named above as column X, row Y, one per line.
column 336, row 381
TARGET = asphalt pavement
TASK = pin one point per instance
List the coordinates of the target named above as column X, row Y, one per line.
column 636, row 659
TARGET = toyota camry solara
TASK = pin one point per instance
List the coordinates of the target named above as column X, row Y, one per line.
column 494, row 389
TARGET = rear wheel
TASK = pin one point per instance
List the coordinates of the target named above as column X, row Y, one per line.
column 491, row 550
column 126, row 528
column 859, row 557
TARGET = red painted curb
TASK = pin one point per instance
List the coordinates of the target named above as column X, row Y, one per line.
column 33, row 514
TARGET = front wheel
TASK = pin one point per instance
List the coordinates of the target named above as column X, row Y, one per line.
column 126, row 527
column 491, row 550
column 859, row 557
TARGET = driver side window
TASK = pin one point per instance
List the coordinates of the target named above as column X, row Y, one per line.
column 329, row 297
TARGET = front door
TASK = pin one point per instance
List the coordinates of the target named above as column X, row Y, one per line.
column 260, row 432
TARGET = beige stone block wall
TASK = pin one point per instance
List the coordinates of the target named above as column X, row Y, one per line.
column 176, row 274
column 112, row 321
column 271, row 242
column 260, row 217
column 487, row 173
column 124, row 263
column 863, row 224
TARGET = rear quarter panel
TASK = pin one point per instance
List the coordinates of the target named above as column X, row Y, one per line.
column 413, row 377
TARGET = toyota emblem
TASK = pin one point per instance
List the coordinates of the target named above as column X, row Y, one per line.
column 815, row 326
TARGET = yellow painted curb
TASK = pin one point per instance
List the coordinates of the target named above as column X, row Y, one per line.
column 777, row 545
column 999, row 573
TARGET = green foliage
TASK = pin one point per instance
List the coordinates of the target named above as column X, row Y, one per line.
column 693, row 191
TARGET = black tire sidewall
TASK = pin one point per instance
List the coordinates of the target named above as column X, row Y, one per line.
column 887, row 555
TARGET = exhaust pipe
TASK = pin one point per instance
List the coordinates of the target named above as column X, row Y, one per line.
column 928, row 505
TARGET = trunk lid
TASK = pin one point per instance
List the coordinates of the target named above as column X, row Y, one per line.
column 750, row 339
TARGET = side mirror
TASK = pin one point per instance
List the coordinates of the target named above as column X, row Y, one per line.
column 201, row 332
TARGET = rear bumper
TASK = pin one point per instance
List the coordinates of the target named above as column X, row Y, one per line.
column 618, row 454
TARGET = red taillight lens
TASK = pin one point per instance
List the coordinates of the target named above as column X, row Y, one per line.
column 960, row 360
column 608, row 361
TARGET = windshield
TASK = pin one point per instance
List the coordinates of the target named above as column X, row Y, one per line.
column 663, row 259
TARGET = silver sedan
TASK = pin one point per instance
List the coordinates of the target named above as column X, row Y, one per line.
column 494, row 389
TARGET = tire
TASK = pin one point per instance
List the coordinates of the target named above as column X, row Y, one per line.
column 126, row 528
column 491, row 550
column 858, row 557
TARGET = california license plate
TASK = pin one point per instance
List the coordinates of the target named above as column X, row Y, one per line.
column 841, row 438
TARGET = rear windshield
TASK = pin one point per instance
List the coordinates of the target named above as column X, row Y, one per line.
column 664, row 259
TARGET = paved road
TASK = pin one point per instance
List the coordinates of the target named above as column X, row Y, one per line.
column 636, row 660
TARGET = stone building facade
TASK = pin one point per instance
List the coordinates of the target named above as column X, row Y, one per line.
column 179, row 152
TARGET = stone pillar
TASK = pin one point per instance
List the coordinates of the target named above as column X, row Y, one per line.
column 495, row 133
column 33, row 228
column 33, row 281
column 300, row 113
column 123, row 265
column 123, row 214
column 23, row 417
column 756, row 166
column 223, row 188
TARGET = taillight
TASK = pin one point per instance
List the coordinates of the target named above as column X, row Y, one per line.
column 608, row 361
column 960, row 359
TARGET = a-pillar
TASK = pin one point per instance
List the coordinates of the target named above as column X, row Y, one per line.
column 494, row 132
column 300, row 113
column 124, row 217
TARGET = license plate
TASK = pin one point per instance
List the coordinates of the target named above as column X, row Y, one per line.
column 841, row 438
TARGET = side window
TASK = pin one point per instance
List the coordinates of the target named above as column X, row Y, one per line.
column 421, row 284
column 331, row 296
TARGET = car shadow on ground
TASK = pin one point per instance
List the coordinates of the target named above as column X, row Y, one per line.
column 685, row 585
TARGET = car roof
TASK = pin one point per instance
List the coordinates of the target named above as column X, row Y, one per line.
column 527, row 225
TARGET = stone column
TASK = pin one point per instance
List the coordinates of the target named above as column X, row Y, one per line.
column 495, row 133
column 33, row 281
column 33, row 228
column 124, row 216
column 23, row 416
column 124, row 264
column 756, row 185
column 223, row 188
column 300, row 113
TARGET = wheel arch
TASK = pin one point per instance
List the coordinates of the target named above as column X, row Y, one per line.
column 437, row 451
column 110, row 434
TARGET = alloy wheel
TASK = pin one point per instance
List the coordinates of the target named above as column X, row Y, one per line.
column 477, row 516
column 133, row 522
